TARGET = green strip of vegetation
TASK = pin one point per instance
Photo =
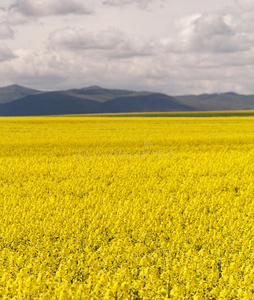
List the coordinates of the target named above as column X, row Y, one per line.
column 244, row 113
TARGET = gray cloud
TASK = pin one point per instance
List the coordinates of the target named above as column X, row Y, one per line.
column 111, row 42
column 173, row 73
column 39, row 8
column 210, row 25
column 5, row 53
column 143, row 4
column 6, row 31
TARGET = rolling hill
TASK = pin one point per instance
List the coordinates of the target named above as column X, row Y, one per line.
column 20, row 101
column 13, row 92
column 224, row 101
column 152, row 102
column 51, row 103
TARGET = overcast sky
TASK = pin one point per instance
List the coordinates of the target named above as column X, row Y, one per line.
column 175, row 47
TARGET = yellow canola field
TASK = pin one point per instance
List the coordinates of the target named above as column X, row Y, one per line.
column 127, row 208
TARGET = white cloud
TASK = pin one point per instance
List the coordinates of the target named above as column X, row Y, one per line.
column 39, row 8
column 208, row 33
column 247, row 7
column 6, row 31
column 37, row 69
column 112, row 42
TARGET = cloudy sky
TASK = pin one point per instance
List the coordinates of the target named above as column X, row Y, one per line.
column 175, row 47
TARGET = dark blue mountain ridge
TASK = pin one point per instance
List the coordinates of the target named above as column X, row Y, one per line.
column 16, row 100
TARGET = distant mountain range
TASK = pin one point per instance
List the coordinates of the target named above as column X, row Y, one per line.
column 16, row 100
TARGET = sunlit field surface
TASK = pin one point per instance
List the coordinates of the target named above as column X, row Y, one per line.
column 127, row 208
